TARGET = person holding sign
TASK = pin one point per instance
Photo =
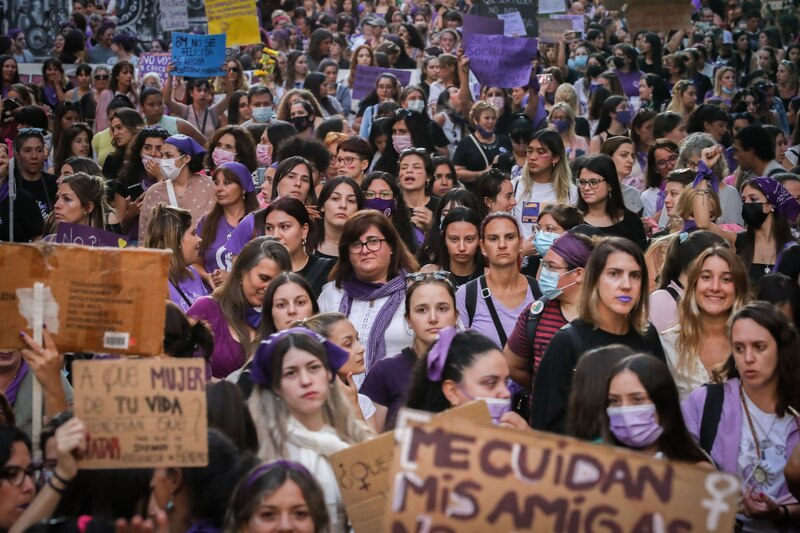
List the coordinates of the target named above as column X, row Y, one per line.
column 183, row 186
column 198, row 112
column 460, row 367
column 753, row 425
column 298, row 414
column 152, row 104
column 233, row 311
column 171, row 228
column 292, row 498
column 612, row 310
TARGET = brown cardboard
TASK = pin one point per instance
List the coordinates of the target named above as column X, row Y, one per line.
column 362, row 470
column 142, row 413
column 455, row 476
column 109, row 300
column 666, row 15
column 551, row 30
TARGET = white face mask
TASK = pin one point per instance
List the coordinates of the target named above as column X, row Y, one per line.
column 416, row 105
column 169, row 168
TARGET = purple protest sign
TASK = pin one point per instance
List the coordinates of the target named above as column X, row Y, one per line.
column 88, row 236
column 500, row 61
column 154, row 62
column 364, row 82
column 485, row 25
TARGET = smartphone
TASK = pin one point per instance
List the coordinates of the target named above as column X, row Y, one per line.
column 135, row 191
column 573, row 35
column 544, row 78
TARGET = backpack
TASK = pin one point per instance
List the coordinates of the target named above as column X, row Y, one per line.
column 472, row 302
column 712, row 413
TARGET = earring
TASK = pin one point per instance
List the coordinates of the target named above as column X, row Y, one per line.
column 409, row 331
column 170, row 506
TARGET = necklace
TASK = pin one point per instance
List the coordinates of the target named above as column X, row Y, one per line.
column 228, row 227
column 759, row 472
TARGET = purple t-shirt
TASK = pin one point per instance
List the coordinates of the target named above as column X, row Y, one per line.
column 387, row 383
column 240, row 236
column 629, row 81
column 482, row 321
column 192, row 289
column 217, row 256
column 228, row 355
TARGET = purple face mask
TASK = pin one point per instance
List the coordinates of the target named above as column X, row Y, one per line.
column 625, row 117
column 560, row 124
column 497, row 406
column 379, row 204
column 635, row 425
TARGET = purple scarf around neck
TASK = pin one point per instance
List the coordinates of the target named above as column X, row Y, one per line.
column 13, row 388
column 395, row 289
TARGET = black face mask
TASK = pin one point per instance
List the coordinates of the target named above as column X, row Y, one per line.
column 727, row 139
column 594, row 70
column 754, row 215
column 619, row 62
column 301, row 123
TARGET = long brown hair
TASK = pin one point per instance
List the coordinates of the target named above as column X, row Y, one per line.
column 165, row 232
column 209, row 233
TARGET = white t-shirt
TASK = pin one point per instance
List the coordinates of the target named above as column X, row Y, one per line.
column 772, row 433
column 544, row 193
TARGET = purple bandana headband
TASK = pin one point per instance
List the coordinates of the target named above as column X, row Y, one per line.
column 437, row 356
column 778, row 197
column 263, row 468
column 261, row 370
column 242, row 174
column 572, row 249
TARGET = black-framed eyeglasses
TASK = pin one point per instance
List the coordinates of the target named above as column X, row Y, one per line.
column 347, row 160
column 664, row 163
column 373, row 244
column 16, row 474
column 593, row 183
column 439, row 275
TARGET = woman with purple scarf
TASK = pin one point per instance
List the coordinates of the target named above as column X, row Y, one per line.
column 368, row 285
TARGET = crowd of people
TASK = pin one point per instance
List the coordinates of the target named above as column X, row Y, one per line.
column 611, row 252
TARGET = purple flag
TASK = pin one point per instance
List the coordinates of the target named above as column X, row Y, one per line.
column 500, row 61
column 364, row 81
column 88, row 236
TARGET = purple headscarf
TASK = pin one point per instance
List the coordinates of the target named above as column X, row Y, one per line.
column 572, row 249
column 778, row 197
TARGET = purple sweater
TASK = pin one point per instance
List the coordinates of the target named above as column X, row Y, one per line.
column 229, row 355
column 725, row 450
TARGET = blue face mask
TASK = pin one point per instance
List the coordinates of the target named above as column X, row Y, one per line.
column 548, row 283
column 262, row 115
column 577, row 62
column 544, row 240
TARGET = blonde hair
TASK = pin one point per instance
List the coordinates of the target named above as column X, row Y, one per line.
column 569, row 112
column 718, row 81
column 479, row 107
column 334, row 137
column 562, row 175
column 690, row 319
column 676, row 104
column 684, row 207
column 566, row 94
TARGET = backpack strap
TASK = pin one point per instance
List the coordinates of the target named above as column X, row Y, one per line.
column 712, row 413
column 471, row 299
column 316, row 269
column 577, row 341
column 486, row 294
column 673, row 292
column 534, row 316
column 259, row 221
column 536, row 292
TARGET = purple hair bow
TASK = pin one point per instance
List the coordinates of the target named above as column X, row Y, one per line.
column 705, row 173
column 437, row 356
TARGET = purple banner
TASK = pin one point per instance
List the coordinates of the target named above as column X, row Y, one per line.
column 364, row 82
column 500, row 61
column 88, row 236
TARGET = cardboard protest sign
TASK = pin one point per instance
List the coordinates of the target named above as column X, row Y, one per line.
column 198, row 56
column 364, row 82
column 88, row 236
column 97, row 299
column 453, row 476
column 362, row 470
column 529, row 9
column 142, row 413
column 154, row 62
column 235, row 18
column 551, row 29
column 501, row 61
column 174, row 15
column 658, row 16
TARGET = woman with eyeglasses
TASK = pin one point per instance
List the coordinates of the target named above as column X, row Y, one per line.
column 17, row 482
column 662, row 157
column 430, row 306
column 492, row 303
column 339, row 198
column 368, row 285
column 121, row 82
column 602, row 203
column 198, row 112
column 383, row 194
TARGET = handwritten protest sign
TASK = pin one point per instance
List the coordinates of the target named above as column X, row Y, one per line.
column 198, row 56
column 513, row 25
column 362, row 470
column 552, row 6
column 528, row 9
column 88, row 236
column 154, row 62
column 142, row 413
column 577, row 22
column 97, row 299
column 235, row 18
column 551, row 29
column 658, row 16
column 364, row 81
column 454, row 476
column 501, row 61
column 174, row 15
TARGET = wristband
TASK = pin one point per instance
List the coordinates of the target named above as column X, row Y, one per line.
column 63, row 481
column 52, row 486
